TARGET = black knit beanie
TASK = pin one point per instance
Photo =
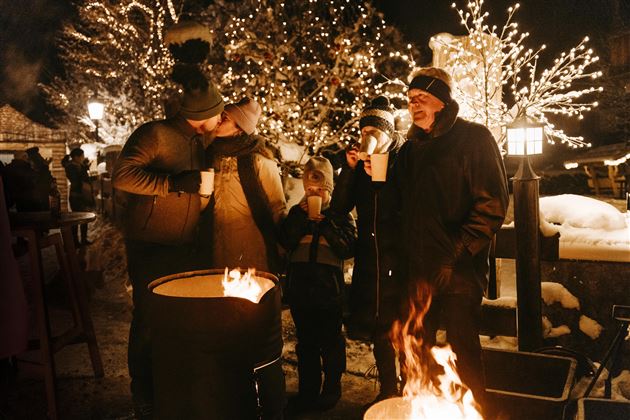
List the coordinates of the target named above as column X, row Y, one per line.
column 379, row 114
column 433, row 85
column 201, row 103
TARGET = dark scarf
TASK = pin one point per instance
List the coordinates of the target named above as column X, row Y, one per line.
column 238, row 146
column 244, row 147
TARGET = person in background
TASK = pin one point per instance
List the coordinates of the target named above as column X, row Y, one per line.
column 159, row 167
column 375, row 292
column 318, row 246
column 19, row 181
column 81, row 193
column 453, row 198
column 248, row 200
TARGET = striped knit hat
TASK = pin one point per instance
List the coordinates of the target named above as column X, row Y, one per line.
column 379, row 114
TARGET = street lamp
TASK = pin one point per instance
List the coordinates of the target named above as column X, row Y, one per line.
column 525, row 138
column 96, row 109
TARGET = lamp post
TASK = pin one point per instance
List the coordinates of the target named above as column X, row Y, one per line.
column 96, row 109
column 524, row 139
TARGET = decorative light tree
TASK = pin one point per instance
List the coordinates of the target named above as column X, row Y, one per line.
column 313, row 65
column 489, row 58
column 117, row 49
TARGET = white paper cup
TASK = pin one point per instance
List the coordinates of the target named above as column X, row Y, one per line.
column 314, row 206
column 367, row 147
column 378, row 162
column 207, row 182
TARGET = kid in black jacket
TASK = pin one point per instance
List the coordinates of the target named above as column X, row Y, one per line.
column 318, row 245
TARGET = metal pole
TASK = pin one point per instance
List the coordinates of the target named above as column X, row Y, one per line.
column 526, row 224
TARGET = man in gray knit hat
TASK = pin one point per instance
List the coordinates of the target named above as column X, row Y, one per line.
column 159, row 167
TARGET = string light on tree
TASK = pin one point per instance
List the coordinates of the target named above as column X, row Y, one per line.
column 490, row 58
column 117, row 49
column 315, row 80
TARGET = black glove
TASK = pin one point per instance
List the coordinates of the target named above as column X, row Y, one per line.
column 185, row 181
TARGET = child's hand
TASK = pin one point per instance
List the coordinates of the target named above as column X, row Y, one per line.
column 304, row 205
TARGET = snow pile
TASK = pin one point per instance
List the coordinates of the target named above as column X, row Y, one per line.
column 589, row 229
column 555, row 292
column 590, row 327
column 581, row 212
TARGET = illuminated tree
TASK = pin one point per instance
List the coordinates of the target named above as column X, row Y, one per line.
column 114, row 50
column 490, row 58
column 312, row 64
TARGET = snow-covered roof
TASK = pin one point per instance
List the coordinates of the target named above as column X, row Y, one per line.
column 600, row 154
column 15, row 126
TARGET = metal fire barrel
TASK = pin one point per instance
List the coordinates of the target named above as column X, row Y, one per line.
column 215, row 357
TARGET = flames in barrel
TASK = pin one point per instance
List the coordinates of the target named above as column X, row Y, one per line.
column 243, row 286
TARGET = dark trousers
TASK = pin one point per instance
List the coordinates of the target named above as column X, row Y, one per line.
column 385, row 357
column 460, row 315
column 315, row 299
column 145, row 263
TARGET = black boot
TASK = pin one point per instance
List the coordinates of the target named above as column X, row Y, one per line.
column 331, row 392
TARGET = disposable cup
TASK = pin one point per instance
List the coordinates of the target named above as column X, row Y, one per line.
column 207, row 182
column 314, row 206
column 378, row 162
column 367, row 147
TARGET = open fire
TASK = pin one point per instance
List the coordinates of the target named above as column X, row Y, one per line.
column 433, row 389
column 246, row 286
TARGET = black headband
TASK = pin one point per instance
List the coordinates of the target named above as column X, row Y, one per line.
column 434, row 86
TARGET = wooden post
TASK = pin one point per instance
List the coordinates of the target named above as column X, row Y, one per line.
column 528, row 290
column 613, row 171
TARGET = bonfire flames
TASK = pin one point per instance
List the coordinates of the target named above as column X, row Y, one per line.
column 433, row 389
column 243, row 286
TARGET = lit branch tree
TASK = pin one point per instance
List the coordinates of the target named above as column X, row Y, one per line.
column 312, row 64
column 489, row 58
column 116, row 51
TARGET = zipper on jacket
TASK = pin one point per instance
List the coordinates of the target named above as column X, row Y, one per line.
column 378, row 267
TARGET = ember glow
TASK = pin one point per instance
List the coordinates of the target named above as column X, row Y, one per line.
column 433, row 389
column 243, row 286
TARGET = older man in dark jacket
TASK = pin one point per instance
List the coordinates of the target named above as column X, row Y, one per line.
column 159, row 167
column 453, row 199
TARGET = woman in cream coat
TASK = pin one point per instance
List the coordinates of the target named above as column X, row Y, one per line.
column 248, row 200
